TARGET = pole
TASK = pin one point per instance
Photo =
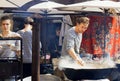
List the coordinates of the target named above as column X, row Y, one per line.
column 36, row 51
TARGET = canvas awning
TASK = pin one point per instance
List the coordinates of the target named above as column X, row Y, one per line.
column 12, row 3
column 94, row 5
column 47, row 7
column 18, row 4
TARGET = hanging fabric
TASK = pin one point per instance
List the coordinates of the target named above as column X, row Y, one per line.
column 102, row 35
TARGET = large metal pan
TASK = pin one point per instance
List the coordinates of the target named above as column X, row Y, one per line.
column 89, row 74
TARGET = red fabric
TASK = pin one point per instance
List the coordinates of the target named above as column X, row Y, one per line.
column 102, row 36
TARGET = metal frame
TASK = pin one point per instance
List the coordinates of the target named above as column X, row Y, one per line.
column 12, row 67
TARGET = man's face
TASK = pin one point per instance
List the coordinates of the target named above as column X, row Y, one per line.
column 57, row 32
column 6, row 25
column 82, row 27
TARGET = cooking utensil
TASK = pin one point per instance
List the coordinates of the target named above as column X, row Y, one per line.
column 89, row 74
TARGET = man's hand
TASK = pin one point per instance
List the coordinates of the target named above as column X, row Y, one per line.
column 80, row 61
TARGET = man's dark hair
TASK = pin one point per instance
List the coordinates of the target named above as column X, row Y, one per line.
column 29, row 20
column 82, row 20
column 6, row 17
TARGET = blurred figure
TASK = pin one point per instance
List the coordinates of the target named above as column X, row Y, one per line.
column 55, row 52
column 26, row 34
column 10, row 47
column 54, row 47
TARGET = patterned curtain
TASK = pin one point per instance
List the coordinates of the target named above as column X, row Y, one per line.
column 102, row 36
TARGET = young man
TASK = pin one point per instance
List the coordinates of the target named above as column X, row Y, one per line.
column 6, row 23
column 73, row 38
column 26, row 34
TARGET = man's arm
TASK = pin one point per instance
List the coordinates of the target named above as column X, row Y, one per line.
column 72, row 53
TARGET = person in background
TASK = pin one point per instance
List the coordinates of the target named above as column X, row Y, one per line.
column 54, row 47
column 26, row 34
column 72, row 40
column 11, row 47
column 55, row 52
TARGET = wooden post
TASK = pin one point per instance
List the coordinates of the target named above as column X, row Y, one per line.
column 36, row 51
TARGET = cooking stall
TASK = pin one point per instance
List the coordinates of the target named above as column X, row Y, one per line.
column 95, row 43
column 104, row 39
column 103, row 68
column 101, row 40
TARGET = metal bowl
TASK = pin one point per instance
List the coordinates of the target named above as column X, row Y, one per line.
column 90, row 74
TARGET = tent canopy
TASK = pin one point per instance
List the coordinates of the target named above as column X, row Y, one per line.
column 47, row 7
column 94, row 5
column 18, row 4
column 12, row 3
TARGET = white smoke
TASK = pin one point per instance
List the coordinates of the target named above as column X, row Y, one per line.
column 67, row 62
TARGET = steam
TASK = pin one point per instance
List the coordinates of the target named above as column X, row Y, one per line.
column 68, row 62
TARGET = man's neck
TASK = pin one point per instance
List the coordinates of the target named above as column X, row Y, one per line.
column 6, row 33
